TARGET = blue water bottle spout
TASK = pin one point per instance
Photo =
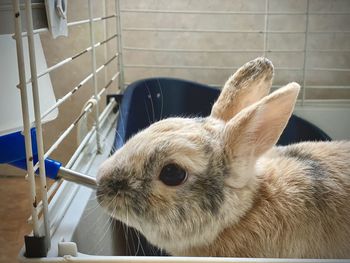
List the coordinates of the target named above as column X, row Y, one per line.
column 12, row 151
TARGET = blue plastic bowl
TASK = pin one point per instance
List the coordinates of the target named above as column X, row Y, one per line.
column 150, row 100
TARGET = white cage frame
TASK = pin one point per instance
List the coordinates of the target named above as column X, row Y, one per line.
column 43, row 207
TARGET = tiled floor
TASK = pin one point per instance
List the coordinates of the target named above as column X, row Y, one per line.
column 14, row 211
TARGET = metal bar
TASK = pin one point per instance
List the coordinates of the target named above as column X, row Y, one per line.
column 329, row 32
column 329, row 69
column 303, row 89
column 206, row 12
column 228, row 50
column 326, row 103
column 178, row 67
column 85, row 21
column 227, row 68
column 25, row 114
column 67, row 60
column 328, row 50
column 22, row 6
column 94, row 76
column 320, row 87
column 213, row 30
column 76, row 88
column 308, row 87
column 120, row 45
column 74, row 23
column 279, row 86
column 196, row 67
column 105, row 34
column 38, row 125
column 191, row 30
column 108, row 84
column 266, row 27
column 76, row 177
column 199, row 50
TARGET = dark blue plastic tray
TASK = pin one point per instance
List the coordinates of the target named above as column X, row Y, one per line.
column 149, row 100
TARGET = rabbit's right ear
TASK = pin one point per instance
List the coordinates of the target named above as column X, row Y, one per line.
column 248, row 85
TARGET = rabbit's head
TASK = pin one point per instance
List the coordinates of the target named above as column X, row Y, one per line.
column 183, row 180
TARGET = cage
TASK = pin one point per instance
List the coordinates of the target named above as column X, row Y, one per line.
column 156, row 59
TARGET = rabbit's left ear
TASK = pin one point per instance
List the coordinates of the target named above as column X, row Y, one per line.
column 255, row 130
column 248, row 85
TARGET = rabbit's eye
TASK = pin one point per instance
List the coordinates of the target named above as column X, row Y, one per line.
column 172, row 175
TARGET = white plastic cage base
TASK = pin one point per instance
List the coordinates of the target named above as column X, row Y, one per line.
column 124, row 259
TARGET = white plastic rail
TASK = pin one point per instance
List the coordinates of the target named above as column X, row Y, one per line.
column 25, row 114
column 242, row 51
column 42, row 206
column 70, row 24
column 38, row 125
column 94, row 76
column 120, row 45
column 303, row 88
column 266, row 27
column 221, row 12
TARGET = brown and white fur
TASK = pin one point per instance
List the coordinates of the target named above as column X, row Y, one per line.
column 243, row 197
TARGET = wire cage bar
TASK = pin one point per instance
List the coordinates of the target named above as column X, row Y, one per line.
column 120, row 45
column 75, row 56
column 70, row 24
column 26, row 123
column 94, row 77
column 38, row 124
column 242, row 13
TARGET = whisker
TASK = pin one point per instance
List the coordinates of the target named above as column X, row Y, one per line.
column 161, row 99
column 143, row 250
column 152, row 106
column 138, row 243
column 108, row 225
column 148, row 116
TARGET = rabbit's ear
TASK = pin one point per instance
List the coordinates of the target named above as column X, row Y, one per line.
column 255, row 130
column 248, row 85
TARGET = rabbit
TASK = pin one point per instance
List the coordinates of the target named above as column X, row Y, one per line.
column 218, row 186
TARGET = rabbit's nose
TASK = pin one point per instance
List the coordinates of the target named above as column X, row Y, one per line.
column 119, row 185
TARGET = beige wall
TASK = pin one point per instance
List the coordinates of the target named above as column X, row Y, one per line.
column 276, row 41
column 330, row 50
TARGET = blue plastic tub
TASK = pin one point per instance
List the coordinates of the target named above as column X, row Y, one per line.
column 150, row 100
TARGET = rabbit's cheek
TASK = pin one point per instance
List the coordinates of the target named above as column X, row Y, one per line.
column 208, row 187
column 208, row 193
